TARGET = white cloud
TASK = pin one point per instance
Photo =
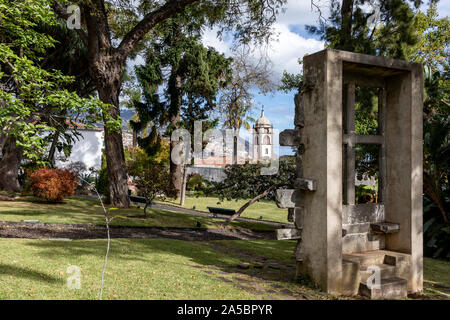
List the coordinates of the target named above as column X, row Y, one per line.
column 290, row 46
column 283, row 51
column 301, row 12
column 211, row 39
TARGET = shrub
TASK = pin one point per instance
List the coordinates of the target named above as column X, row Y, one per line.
column 53, row 184
column 102, row 183
column 194, row 182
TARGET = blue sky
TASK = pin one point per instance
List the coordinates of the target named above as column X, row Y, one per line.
column 293, row 42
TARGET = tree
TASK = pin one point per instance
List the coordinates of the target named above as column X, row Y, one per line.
column 432, row 46
column 236, row 100
column 252, row 19
column 70, row 57
column 149, row 176
column 195, row 75
column 381, row 27
column 246, row 182
column 28, row 93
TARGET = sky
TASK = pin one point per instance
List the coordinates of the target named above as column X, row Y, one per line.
column 292, row 43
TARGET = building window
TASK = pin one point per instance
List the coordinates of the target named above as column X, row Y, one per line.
column 266, row 140
column 267, row 151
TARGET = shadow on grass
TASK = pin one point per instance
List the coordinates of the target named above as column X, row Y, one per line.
column 87, row 211
column 14, row 271
column 202, row 254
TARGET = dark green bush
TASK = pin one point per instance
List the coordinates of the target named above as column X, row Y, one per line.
column 102, row 183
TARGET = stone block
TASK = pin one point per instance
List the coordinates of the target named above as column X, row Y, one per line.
column 290, row 215
column 362, row 213
column 391, row 288
column 385, row 227
column 299, row 119
column 286, row 198
column 288, row 234
column 306, row 184
column 289, row 138
column 299, row 216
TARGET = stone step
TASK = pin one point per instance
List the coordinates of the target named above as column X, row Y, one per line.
column 367, row 258
column 385, row 227
column 386, row 271
column 390, row 288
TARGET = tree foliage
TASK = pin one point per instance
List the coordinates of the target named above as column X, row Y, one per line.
column 149, row 176
column 116, row 30
column 28, row 93
column 53, row 184
column 236, row 99
column 245, row 181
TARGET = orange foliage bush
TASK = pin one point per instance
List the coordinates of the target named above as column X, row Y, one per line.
column 53, row 184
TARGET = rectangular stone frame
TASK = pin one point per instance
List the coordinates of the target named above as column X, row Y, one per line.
column 322, row 141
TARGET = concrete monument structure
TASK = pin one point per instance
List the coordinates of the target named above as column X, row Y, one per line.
column 345, row 247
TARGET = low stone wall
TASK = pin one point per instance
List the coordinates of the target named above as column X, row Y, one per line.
column 216, row 174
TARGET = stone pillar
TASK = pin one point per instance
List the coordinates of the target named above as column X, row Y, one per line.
column 404, row 154
column 321, row 138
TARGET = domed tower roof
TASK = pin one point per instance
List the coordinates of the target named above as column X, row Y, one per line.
column 262, row 121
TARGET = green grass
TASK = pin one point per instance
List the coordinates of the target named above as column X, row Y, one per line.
column 137, row 269
column 267, row 209
column 274, row 249
column 83, row 211
column 437, row 271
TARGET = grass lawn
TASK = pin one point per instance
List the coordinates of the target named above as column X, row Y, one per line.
column 144, row 268
column 436, row 271
column 137, row 269
column 83, row 211
column 140, row 269
column 267, row 209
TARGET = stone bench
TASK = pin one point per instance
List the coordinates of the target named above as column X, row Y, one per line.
column 215, row 211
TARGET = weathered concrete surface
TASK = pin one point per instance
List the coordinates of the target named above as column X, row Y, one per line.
column 391, row 288
column 322, row 161
column 285, row 198
column 404, row 168
column 385, row 227
column 288, row 234
column 289, row 138
column 321, row 149
column 362, row 213
column 305, row 184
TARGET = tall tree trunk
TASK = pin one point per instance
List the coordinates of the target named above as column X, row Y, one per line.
column 235, row 145
column 115, row 157
column 346, row 25
column 183, row 185
column 175, row 110
column 51, row 152
column 9, row 166
column 134, row 138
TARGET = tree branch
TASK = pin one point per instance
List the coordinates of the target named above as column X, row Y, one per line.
column 60, row 12
column 252, row 201
column 147, row 23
